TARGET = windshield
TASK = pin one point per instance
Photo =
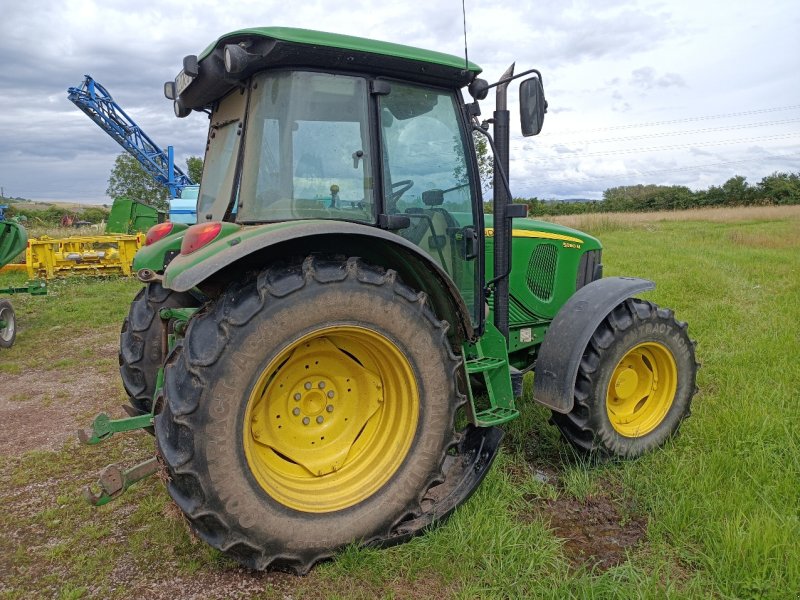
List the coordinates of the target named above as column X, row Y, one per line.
column 307, row 151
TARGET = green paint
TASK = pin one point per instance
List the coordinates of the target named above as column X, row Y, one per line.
column 129, row 216
column 346, row 42
column 152, row 256
column 224, row 241
column 104, row 427
column 34, row 287
column 488, row 358
column 13, row 239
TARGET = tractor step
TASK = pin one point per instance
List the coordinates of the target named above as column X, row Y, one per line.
column 496, row 415
column 484, row 364
column 487, row 360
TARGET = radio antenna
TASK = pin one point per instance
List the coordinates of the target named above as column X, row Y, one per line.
column 466, row 55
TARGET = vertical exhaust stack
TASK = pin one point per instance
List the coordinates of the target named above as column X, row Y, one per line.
column 502, row 198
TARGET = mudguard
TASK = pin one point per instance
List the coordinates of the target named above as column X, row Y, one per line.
column 570, row 332
column 252, row 246
column 463, row 472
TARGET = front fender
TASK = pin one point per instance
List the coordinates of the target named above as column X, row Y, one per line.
column 569, row 333
column 257, row 246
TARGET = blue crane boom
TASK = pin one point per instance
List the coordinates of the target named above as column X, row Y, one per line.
column 93, row 99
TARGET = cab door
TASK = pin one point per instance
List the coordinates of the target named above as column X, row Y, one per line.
column 428, row 175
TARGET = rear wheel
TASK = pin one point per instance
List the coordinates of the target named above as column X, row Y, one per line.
column 635, row 382
column 140, row 341
column 8, row 324
column 307, row 410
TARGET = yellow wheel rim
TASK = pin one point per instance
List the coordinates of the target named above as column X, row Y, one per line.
column 331, row 419
column 642, row 389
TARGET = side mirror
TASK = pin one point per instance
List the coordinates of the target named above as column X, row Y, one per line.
column 532, row 106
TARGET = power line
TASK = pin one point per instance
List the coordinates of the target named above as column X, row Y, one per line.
column 674, row 133
column 638, row 173
column 683, row 120
column 571, row 155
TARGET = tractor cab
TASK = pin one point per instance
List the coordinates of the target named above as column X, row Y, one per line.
column 313, row 126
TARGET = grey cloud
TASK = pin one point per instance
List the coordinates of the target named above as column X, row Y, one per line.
column 646, row 78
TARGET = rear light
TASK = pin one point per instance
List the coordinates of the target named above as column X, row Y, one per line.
column 199, row 235
column 156, row 232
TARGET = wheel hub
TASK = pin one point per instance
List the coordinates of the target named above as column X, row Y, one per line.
column 297, row 416
column 641, row 389
column 331, row 418
column 626, row 383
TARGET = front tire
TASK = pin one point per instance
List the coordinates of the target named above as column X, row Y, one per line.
column 308, row 409
column 635, row 383
column 8, row 333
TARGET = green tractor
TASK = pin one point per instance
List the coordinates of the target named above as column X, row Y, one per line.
column 326, row 356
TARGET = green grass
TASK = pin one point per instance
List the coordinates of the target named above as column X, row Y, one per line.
column 720, row 503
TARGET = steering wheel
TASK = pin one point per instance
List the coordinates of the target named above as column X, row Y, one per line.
column 402, row 187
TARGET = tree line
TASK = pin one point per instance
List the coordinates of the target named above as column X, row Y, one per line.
column 775, row 189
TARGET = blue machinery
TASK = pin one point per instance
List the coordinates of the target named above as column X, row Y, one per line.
column 93, row 99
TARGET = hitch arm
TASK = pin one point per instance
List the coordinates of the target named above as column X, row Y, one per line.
column 113, row 481
column 104, row 427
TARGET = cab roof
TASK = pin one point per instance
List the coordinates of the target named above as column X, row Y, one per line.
column 274, row 47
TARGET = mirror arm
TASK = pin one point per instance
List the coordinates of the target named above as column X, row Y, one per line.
column 507, row 80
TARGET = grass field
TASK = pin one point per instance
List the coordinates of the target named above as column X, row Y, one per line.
column 715, row 514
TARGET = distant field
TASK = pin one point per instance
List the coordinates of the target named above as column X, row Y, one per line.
column 45, row 204
column 715, row 514
column 600, row 221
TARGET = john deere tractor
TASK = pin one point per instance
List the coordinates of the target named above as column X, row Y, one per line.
column 327, row 355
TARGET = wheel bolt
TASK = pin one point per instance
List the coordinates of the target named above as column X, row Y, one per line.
column 321, row 385
column 307, row 385
column 296, row 411
column 306, row 420
column 297, row 396
column 329, row 408
column 330, row 394
column 320, row 419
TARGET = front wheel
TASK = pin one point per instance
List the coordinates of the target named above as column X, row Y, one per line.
column 308, row 409
column 8, row 324
column 635, row 382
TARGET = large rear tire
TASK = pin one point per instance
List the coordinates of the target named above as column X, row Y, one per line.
column 140, row 341
column 634, row 385
column 308, row 409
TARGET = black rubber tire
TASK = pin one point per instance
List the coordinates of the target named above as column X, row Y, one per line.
column 588, row 427
column 140, row 353
column 210, row 376
column 8, row 333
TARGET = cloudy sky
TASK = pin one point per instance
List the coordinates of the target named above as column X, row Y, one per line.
column 685, row 92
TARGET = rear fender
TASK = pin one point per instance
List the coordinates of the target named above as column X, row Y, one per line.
column 212, row 267
column 158, row 255
column 566, row 339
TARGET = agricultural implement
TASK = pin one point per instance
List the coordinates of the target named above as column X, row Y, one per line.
column 327, row 357
column 13, row 239
column 107, row 254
